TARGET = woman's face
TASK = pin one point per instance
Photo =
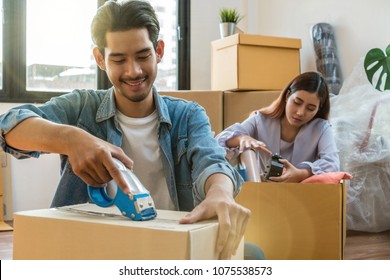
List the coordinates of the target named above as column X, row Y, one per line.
column 301, row 107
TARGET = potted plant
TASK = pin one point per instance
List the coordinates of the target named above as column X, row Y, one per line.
column 229, row 17
column 376, row 66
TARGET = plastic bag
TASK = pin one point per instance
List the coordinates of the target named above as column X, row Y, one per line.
column 361, row 122
column 327, row 61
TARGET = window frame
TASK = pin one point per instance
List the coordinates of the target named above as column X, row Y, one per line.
column 14, row 54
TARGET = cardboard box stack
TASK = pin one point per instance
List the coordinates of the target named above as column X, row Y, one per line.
column 289, row 220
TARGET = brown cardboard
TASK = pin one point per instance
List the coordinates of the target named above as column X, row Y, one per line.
column 70, row 233
column 295, row 220
column 238, row 105
column 211, row 101
column 3, row 225
column 254, row 62
column 1, row 177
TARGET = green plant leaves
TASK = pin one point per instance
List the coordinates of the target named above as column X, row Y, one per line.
column 375, row 62
column 229, row 15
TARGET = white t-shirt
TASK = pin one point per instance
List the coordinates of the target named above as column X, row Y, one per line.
column 140, row 143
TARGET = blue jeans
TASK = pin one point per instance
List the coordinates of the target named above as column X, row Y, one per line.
column 253, row 252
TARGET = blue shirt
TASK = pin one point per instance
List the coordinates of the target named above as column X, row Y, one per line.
column 189, row 152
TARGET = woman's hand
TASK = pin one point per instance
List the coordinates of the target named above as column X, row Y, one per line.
column 246, row 142
column 291, row 174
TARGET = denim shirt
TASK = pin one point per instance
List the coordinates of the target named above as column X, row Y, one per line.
column 189, row 152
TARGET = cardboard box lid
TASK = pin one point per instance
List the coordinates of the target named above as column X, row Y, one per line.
column 257, row 40
column 91, row 213
column 295, row 220
column 81, row 232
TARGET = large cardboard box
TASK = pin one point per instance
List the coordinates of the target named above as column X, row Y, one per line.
column 254, row 62
column 238, row 105
column 211, row 101
column 77, row 233
column 296, row 221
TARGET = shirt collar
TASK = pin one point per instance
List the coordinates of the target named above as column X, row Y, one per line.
column 107, row 108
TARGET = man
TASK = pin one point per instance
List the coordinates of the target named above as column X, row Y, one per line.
column 168, row 142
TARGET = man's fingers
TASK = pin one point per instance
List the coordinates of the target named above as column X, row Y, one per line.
column 242, row 223
column 223, row 235
column 196, row 215
column 91, row 181
column 124, row 159
column 117, row 176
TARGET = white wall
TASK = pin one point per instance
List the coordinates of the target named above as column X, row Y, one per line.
column 33, row 181
column 359, row 26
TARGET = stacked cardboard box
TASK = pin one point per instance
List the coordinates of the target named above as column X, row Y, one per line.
column 253, row 62
column 252, row 70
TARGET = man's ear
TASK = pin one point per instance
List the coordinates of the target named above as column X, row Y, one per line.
column 160, row 50
column 99, row 58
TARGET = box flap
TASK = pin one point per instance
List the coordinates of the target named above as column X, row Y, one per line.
column 344, row 184
column 198, row 237
column 258, row 40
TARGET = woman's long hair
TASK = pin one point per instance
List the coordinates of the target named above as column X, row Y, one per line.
column 312, row 82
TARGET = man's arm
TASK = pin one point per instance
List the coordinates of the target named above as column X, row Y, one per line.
column 89, row 156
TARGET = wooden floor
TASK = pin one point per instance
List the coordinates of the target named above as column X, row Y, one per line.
column 358, row 246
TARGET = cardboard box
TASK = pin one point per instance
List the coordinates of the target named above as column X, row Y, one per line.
column 71, row 233
column 3, row 225
column 254, row 62
column 238, row 105
column 296, row 221
column 211, row 101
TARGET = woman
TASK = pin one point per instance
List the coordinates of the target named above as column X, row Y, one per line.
column 295, row 126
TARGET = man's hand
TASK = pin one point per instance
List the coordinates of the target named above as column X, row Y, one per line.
column 232, row 217
column 91, row 160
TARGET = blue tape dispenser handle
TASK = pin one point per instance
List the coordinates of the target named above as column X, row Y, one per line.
column 137, row 205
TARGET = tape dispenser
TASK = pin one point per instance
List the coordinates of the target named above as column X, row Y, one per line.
column 137, row 205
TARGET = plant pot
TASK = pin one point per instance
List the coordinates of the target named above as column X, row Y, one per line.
column 227, row 28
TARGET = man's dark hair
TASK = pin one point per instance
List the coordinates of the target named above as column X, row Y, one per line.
column 121, row 16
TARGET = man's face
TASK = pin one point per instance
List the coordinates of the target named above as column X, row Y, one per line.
column 130, row 62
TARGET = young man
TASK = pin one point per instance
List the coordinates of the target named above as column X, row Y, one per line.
column 168, row 142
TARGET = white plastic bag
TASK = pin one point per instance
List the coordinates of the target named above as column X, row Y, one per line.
column 360, row 117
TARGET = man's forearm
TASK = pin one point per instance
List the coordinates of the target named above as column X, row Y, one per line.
column 220, row 181
column 36, row 134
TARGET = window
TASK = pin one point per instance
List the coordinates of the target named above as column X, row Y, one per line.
column 46, row 50
column 59, row 46
column 1, row 48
